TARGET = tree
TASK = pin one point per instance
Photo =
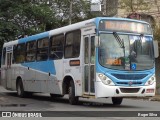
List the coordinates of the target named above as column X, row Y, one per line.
column 23, row 17
column 80, row 11
column 28, row 17
column 134, row 6
column 156, row 32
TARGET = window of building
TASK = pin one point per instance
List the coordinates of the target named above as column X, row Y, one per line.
column 57, row 44
column 72, row 44
column 42, row 49
column 31, row 51
column 19, row 53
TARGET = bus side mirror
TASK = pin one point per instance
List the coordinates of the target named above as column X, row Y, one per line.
column 97, row 41
column 156, row 50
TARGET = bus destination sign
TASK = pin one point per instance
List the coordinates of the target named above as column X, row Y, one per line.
column 125, row 26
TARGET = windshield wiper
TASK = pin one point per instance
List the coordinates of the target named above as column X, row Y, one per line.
column 119, row 40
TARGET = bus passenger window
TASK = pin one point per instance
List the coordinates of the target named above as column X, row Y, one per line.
column 42, row 49
column 19, row 53
column 57, row 44
column 31, row 51
column 72, row 44
column 4, row 56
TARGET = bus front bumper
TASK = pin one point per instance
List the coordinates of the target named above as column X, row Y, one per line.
column 102, row 90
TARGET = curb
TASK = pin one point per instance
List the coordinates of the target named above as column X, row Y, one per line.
column 155, row 98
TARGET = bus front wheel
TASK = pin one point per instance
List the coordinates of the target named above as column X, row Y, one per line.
column 20, row 89
column 73, row 100
column 117, row 100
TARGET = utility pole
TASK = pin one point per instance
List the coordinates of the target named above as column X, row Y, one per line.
column 70, row 11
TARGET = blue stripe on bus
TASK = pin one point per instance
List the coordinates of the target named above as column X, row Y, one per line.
column 34, row 37
column 42, row 66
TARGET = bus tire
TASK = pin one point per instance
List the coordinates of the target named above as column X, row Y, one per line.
column 20, row 89
column 55, row 95
column 28, row 94
column 73, row 100
column 117, row 100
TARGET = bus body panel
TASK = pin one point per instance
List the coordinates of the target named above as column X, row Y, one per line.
column 110, row 91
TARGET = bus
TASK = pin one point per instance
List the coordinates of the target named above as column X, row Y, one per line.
column 103, row 57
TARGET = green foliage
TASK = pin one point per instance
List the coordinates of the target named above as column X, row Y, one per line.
column 80, row 11
column 28, row 17
column 23, row 17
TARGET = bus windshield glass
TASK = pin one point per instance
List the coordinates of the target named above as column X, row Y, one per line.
column 136, row 54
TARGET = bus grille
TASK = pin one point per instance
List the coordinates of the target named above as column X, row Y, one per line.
column 129, row 90
column 130, row 77
column 127, row 83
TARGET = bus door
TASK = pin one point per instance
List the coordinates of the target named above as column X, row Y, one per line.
column 89, row 65
column 8, row 70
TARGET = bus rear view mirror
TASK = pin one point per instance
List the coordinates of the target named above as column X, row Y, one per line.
column 156, row 50
column 97, row 41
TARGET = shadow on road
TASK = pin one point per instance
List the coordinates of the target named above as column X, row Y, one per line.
column 82, row 102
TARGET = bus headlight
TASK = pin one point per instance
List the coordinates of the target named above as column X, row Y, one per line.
column 105, row 79
column 151, row 80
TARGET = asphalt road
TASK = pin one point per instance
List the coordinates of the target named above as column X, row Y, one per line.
column 101, row 107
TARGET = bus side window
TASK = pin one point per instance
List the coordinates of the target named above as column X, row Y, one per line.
column 14, row 54
column 31, row 51
column 42, row 49
column 56, row 47
column 19, row 53
column 72, row 44
column 4, row 56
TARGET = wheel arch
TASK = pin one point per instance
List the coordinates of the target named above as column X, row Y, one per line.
column 18, row 79
column 65, row 84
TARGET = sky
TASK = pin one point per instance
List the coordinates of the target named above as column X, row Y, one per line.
column 95, row 1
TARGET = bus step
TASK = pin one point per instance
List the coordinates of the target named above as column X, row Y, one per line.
column 88, row 96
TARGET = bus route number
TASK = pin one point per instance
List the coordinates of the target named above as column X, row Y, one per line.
column 114, row 62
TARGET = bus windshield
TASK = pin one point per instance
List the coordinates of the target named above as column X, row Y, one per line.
column 136, row 54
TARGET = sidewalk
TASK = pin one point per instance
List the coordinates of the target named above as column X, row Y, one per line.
column 155, row 98
column 2, row 90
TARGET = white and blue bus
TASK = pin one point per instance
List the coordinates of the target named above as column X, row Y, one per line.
column 97, row 58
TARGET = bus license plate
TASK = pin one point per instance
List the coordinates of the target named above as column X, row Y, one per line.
column 150, row 91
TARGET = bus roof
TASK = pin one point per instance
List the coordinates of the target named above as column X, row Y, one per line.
column 93, row 21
